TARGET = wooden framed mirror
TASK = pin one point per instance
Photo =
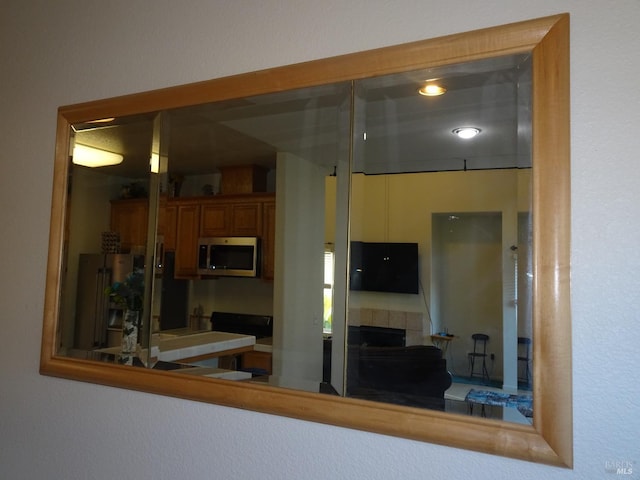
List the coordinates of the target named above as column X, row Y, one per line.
column 342, row 96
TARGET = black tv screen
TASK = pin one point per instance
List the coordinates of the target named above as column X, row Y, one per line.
column 384, row 267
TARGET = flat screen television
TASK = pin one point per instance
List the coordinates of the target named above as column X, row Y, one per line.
column 384, row 267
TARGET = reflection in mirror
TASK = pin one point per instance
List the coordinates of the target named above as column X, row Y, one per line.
column 105, row 244
column 436, row 224
column 213, row 176
column 423, row 229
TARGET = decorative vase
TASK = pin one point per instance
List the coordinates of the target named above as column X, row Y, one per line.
column 130, row 323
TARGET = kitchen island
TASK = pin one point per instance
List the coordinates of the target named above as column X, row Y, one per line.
column 186, row 346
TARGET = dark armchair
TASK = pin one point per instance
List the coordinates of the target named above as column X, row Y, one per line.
column 413, row 376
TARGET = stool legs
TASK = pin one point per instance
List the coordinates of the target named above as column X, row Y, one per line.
column 484, row 373
column 527, row 371
column 479, row 340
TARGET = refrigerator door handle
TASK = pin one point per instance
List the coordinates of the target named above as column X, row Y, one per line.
column 159, row 254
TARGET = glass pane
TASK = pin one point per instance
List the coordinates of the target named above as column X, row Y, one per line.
column 440, row 239
column 237, row 172
column 106, row 276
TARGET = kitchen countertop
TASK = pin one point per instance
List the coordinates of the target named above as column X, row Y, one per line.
column 264, row 345
column 171, row 346
column 177, row 347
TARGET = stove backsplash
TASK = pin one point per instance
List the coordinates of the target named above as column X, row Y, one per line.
column 228, row 294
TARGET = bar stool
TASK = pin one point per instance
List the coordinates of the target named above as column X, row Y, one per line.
column 479, row 352
column 524, row 346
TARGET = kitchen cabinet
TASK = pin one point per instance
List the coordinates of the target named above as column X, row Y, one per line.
column 129, row 219
column 248, row 215
column 268, row 239
column 181, row 221
column 187, row 233
column 231, row 218
column 246, row 219
column 243, row 179
column 169, row 226
column 162, row 216
column 257, row 360
column 215, row 219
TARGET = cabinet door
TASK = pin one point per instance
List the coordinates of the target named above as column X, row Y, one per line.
column 257, row 360
column 170, row 225
column 162, row 216
column 215, row 220
column 246, row 219
column 268, row 240
column 129, row 219
column 187, row 232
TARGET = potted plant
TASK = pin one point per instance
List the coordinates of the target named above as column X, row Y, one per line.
column 129, row 294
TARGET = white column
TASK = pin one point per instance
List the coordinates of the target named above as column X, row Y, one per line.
column 299, row 274
column 509, row 306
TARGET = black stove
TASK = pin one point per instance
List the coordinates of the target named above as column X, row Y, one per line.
column 260, row 326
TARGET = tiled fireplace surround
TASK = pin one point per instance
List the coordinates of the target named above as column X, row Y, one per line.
column 411, row 322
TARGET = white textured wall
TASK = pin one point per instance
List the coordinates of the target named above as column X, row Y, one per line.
column 57, row 53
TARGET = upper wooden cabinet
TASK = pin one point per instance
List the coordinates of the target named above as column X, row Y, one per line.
column 181, row 221
column 243, row 179
column 187, row 233
column 268, row 239
column 169, row 226
column 220, row 216
column 238, row 216
column 129, row 219
column 215, row 219
column 246, row 219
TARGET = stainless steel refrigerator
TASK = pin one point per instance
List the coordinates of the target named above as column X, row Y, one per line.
column 99, row 321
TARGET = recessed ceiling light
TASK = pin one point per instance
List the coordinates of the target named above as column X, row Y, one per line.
column 466, row 132
column 432, row 90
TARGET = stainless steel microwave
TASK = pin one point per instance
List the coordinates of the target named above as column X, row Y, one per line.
column 229, row 256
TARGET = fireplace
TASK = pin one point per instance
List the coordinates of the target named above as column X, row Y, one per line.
column 367, row 335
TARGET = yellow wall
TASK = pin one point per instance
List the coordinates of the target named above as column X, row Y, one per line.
column 400, row 208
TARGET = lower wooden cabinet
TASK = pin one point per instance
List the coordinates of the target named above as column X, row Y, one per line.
column 255, row 360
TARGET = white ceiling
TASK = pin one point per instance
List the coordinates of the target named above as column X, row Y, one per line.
column 405, row 132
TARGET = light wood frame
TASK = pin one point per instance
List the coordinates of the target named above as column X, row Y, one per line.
column 550, row 438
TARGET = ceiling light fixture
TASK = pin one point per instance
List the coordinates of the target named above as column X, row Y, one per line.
column 102, row 120
column 154, row 163
column 466, row 132
column 432, row 90
column 94, row 157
